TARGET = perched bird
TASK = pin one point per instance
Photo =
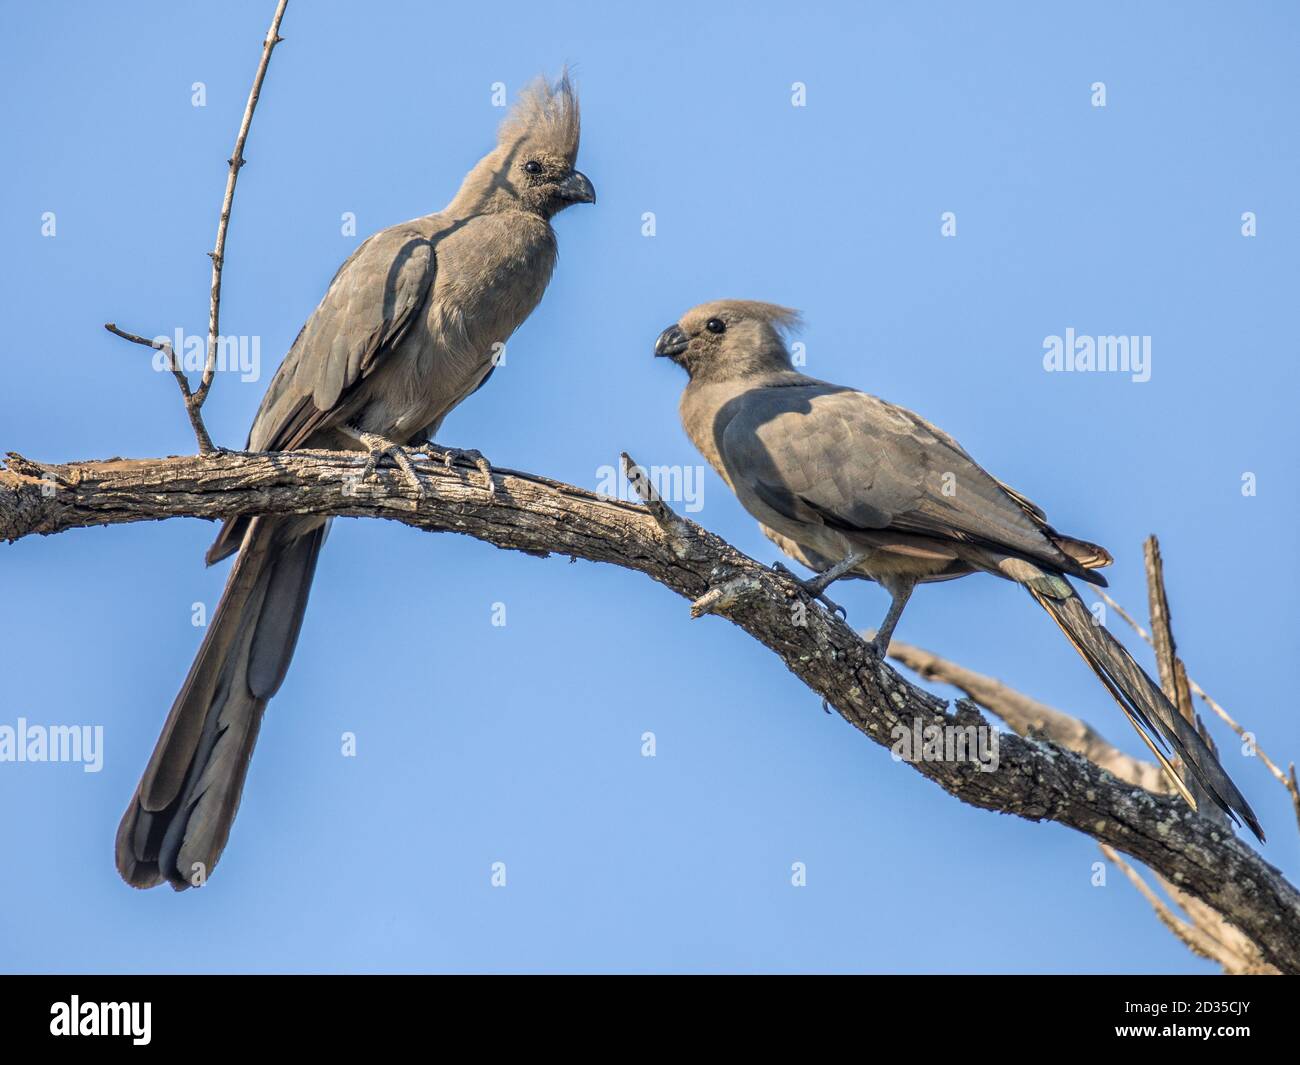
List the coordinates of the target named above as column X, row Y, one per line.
column 408, row 328
column 851, row 485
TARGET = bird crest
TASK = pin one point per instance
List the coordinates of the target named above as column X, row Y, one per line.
column 546, row 112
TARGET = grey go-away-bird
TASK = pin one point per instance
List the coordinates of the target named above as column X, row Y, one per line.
column 850, row 485
column 408, row 328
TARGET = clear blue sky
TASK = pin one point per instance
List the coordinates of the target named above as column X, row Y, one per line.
column 522, row 743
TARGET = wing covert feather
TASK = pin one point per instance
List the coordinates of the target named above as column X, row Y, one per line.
column 853, row 461
column 371, row 303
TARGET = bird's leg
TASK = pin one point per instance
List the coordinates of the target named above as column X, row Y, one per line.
column 901, row 592
column 828, row 577
column 450, row 455
column 377, row 447
column 816, row 593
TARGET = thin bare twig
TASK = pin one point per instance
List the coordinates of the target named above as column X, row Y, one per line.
column 728, row 590
column 665, row 517
column 173, row 363
column 195, row 399
column 235, row 162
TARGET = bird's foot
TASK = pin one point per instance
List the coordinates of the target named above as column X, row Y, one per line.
column 448, row 456
column 379, row 448
column 815, row 588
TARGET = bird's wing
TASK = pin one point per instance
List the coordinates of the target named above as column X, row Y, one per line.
column 373, row 300
column 370, row 305
column 821, row 454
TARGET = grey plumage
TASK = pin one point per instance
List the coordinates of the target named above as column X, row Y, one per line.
column 846, row 483
column 406, row 330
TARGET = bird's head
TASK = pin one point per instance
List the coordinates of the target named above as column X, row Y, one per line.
column 729, row 339
column 533, row 165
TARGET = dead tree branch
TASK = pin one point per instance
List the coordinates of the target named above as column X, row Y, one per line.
column 1172, row 673
column 1173, row 676
column 1205, row 934
column 1036, row 778
column 1204, row 931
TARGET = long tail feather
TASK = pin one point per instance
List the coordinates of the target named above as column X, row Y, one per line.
column 179, row 819
column 1143, row 703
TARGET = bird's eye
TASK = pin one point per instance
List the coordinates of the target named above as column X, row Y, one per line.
column 533, row 166
column 716, row 325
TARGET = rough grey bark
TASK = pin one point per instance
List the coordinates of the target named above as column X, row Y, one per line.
column 1029, row 717
column 1036, row 779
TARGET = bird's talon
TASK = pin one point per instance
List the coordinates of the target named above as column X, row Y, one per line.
column 451, row 455
column 813, row 589
column 377, row 449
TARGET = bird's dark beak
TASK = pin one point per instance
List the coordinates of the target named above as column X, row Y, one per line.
column 672, row 342
column 577, row 188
